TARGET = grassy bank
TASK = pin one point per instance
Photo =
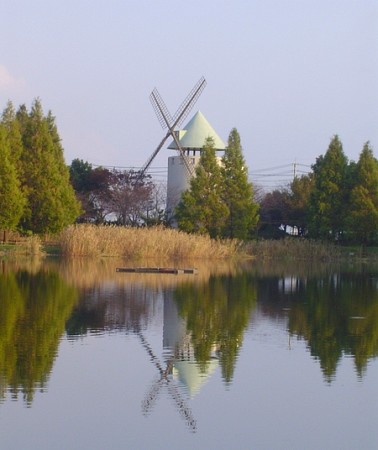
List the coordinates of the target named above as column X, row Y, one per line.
column 169, row 244
column 138, row 243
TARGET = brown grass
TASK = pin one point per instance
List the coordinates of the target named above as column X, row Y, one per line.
column 293, row 249
column 27, row 246
column 139, row 243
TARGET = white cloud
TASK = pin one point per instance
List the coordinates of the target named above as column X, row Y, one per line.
column 9, row 83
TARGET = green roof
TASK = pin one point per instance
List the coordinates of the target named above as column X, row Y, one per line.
column 194, row 134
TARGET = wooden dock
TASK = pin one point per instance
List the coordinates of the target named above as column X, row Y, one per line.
column 171, row 270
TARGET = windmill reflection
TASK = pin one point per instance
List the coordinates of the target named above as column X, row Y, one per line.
column 165, row 379
column 179, row 373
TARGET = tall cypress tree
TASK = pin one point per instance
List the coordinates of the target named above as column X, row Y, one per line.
column 329, row 197
column 201, row 208
column 363, row 212
column 237, row 191
column 12, row 200
column 51, row 201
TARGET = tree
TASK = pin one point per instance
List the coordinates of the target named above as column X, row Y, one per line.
column 273, row 213
column 237, row 192
column 201, row 209
column 92, row 188
column 13, row 132
column 51, row 202
column 130, row 197
column 363, row 213
column 329, row 196
column 298, row 199
column 12, row 200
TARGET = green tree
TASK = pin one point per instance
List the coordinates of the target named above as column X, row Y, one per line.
column 13, row 131
column 297, row 202
column 274, row 214
column 51, row 202
column 237, row 191
column 329, row 196
column 363, row 211
column 12, row 200
column 201, row 209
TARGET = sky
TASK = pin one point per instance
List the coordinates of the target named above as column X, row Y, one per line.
column 287, row 74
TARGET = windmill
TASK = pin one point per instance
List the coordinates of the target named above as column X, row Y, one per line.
column 165, row 379
column 171, row 123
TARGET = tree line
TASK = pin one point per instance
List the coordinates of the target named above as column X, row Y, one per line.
column 336, row 201
column 39, row 193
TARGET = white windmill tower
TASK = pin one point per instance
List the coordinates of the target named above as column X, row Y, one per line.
column 188, row 142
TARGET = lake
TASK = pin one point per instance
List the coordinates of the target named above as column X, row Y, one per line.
column 248, row 356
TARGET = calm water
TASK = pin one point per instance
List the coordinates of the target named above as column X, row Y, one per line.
column 249, row 357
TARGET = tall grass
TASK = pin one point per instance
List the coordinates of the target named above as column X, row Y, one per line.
column 293, row 249
column 139, row 243
column 27, row 246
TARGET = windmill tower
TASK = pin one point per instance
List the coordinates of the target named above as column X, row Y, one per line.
column 188, row 142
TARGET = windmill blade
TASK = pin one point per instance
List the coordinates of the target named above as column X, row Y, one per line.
column 188, row 167
column 166, row 120
column 150, row 352
column 152, row 157
column 160, row 109
column 182, row 407
column 151, row 396
column 187, row 105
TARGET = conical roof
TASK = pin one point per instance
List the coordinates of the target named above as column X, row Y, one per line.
column 194, row 134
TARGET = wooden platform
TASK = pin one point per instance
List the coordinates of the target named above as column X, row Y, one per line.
column 155, row 270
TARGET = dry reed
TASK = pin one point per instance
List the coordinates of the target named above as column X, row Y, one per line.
column 293, row 249
column 138, row 243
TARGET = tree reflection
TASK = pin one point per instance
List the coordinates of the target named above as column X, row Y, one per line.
column 34, row 310
column 337, row 315
column 216, row 313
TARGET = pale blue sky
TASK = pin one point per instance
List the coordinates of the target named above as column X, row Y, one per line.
column 288, row 74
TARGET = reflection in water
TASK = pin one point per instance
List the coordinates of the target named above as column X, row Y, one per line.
column 336, row 312
column 34, row 310
column 165, row 379
column 204, row 318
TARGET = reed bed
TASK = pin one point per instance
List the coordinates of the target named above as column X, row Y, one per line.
column 294, row 249
column 139, row 243
column 27, row 246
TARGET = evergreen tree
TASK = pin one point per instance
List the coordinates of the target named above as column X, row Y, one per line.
column 329, row 196
column 298, row 199
column 237, row 191
column 51, row 202
column 12, row 200
column 201, row 209
column 12, row 127
column 363, row 213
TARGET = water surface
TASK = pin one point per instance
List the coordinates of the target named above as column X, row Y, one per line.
column 253, row 356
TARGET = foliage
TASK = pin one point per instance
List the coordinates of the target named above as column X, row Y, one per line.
column 273, row 213
column 298, row 199
column 37, row 196
column 237, row 191
column 35, row 308
column 92, row 187
column 363, row 214
column 51, row 202
column 216, row 314
column 130, row 196
column 201, row 209
column 329, row 195
column 12, row 200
